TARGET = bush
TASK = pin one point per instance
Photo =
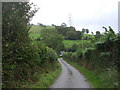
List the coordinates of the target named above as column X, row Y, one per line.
column 73, row 48
column 74, row 56
column 105, row 54
column 51, row 55
column 67, row 54
column 19, row 59
column 88, row 52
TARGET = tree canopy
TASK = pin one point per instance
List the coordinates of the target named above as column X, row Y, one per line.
column 52, row 39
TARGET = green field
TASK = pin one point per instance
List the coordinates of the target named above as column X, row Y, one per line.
column 35, row 31
column 69, row 43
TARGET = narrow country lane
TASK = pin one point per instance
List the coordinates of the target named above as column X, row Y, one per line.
column 70, row 77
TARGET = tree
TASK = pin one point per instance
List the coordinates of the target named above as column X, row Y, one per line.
column 109, row 33
column 83, row 30
column 87, row 31
column 61, row 30
column 64, row 30
column 52, row 39
column 79, row 35
column 72, row 35
column 105, row 29
column 53, row 25
column 71, row 28
column 98, row 34
column 40, row 24
column 92, row 33
column 64, row 25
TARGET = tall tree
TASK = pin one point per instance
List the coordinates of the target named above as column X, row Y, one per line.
column 16, row 43
column 83, row 30
column 87, row 31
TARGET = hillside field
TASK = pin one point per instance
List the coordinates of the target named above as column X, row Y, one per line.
column 69, row 43
column 35, row 31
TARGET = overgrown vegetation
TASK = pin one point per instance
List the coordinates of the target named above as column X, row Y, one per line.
column 46, row 77
column 101, row 56
column 23, row 59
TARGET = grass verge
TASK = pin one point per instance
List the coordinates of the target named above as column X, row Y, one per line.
column 96, row 81
column 45, row 80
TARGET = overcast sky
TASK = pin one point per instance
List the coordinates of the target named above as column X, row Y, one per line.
column 88, row 14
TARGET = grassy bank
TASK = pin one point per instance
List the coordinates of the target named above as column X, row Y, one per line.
column 46, row 77
column 96, row 81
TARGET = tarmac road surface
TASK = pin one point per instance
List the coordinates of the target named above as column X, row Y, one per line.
column 70, row 77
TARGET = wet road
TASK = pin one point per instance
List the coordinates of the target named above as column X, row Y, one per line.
column 70, row 77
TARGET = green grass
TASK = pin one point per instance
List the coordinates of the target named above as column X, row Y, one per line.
column 35, row 31
column 45, row 80
column 96, row 81
column 34, row 35
column 35, row 28
column 69, row 43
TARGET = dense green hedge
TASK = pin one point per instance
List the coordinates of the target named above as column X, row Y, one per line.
column 100, row 57
column 21, row 57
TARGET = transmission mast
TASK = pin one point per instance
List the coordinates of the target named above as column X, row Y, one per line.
column 70, row 20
